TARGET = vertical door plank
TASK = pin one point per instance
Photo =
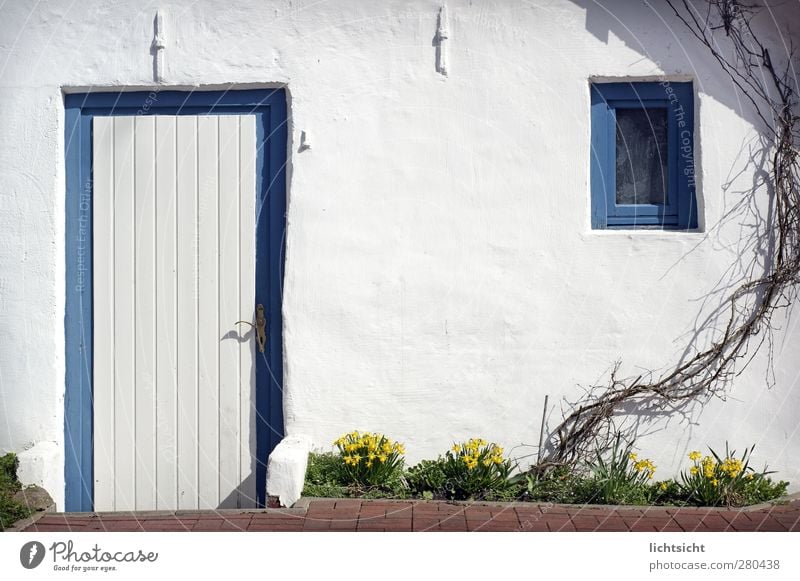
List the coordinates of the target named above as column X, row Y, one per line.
column 208, row 323
column 187, row 312
column 230, row 310
column 166, row 314
column 248, row 350
column 174, row 252
column 124, row 316
column 103, row 311
column 145, row 308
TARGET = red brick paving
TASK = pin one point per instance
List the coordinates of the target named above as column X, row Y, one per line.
column 395, row 516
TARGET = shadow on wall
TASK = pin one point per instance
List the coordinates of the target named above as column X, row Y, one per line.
column 742, row 208
column 742, row 199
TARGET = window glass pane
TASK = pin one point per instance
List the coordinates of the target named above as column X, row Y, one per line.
column 642, row 156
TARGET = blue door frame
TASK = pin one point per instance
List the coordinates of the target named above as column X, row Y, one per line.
column 269, row 107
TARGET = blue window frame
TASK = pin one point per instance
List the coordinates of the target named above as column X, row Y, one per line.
column 642, row 157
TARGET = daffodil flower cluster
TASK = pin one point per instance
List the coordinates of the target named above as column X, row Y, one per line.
column 707, row 466
column 644, row 466
column 369, row 458
column 473, row 467
column 712, row 470
column 714, row 480
column 477, row 452
column 732, row 467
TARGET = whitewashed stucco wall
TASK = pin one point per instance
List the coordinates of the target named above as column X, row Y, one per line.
column 441, row 273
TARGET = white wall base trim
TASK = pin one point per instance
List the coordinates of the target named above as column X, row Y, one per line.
column 286, row 469
column 43, row 466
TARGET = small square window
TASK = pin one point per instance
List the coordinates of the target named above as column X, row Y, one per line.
column 642, row 158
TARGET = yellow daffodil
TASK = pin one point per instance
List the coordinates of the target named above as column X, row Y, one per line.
column 695, row 455
column 694, row 470
column 731, row 467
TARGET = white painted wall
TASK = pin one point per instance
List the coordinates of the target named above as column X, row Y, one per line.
column 441, row 274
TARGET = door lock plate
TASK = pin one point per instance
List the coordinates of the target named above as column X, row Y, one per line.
column 260, row 327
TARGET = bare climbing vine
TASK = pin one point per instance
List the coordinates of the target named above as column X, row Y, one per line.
column 773, row 94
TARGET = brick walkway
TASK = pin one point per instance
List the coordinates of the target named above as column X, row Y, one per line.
column 356, row 515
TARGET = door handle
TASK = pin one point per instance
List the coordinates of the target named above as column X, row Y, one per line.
column 260, row 327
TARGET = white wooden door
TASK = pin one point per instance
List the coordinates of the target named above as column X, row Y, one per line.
column 174, row 269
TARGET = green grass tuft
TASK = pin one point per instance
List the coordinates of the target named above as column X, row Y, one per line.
column 10, row 510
